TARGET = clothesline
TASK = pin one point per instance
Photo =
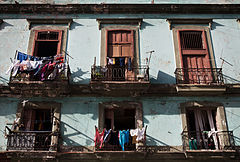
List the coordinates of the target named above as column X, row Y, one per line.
column 37, row 68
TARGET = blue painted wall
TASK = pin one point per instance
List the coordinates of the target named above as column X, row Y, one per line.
column 8, row 108
column 84, row 41
column 79, row 115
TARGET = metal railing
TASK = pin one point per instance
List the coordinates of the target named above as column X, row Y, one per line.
column 29, row 140
column 110, row 73
column 199, row 75
column 194, row 140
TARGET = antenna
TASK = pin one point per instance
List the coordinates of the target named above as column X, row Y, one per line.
column 150, row 52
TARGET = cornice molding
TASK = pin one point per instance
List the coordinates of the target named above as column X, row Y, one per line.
column 49, row 21
column 120, row 8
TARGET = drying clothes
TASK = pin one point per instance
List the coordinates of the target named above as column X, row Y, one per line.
column 104, row 69
column 35, row 64
column 121, row 61
column 113, row 138
column 22, row 56
column 111, row 61
column 123, row 138
column 25, row 65
column 129, row 64
column 44, row 69
column 99, row 138
column 107, row 134
column 192, row 144
column 53, row 75
column 139, row 133
column 14, row 67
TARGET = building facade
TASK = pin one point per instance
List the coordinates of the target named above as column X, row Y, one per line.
column 71, row 69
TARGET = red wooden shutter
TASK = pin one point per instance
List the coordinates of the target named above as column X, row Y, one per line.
column 195, row 56
column 120, row 43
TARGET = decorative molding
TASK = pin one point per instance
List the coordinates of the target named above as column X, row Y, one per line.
column 57, row 9
column 49, row 21
column 128, row 21
column 189, row 21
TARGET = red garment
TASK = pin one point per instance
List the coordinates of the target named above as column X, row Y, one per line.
column 99, row 138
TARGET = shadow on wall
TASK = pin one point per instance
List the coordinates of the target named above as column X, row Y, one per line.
column 5, row 24
column 66, row 138
column 77, row 76
column 151, row 141
column 230, row 80
column 145, row 24
column 3, row 80
column 74, row 25
column 163, row 78
column 215, row 25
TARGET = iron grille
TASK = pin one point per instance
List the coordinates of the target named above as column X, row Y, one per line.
column 191, row 40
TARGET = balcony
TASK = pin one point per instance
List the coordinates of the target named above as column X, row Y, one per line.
column 199, row 76
column 219, row 140
column 110, row 73
column 29, row 140
column 30, row 69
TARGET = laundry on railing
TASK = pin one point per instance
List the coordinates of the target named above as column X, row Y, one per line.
column 119, row 138
column 37, row 68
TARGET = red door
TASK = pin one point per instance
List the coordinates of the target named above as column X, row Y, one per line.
column 195, row 57
column 120, row 47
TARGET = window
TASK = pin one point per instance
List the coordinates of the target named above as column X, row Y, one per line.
column 195, row 57
column 119, row 116
column 119, row 52
column 200, row 124
column 47, row 43
column 37, row 127
column 37, row 120
column 193, row 52
column 46, row 38
column 204, row 127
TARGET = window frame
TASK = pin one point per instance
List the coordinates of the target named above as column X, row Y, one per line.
column 221, row 121
column 56, row 107
column 124, row 105
column 177, row 48
column 36, row 40
column 104, row 40
column 64, row 32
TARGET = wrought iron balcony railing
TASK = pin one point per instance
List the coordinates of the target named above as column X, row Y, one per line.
column 199, row 75
column 218, row 140
column 29, row 140
column 113, row 73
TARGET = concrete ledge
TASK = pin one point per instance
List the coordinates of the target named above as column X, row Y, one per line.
column 200, row 88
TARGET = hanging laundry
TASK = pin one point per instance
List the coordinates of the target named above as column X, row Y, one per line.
column 121, row 61
column 98, row 139
column 14, row 67
column 22, row 56
column 123, row 138
column 111, row 61
column 140, row 133
column 192, row 144
column 129, row 64
column 106, row 135
column 113, row 138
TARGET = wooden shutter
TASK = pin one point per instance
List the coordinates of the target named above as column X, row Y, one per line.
column 120, row 43
column 195, row 56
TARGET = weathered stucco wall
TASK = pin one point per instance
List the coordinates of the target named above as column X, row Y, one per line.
column 84, row 40
column 79, row 115
column 8, row 108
